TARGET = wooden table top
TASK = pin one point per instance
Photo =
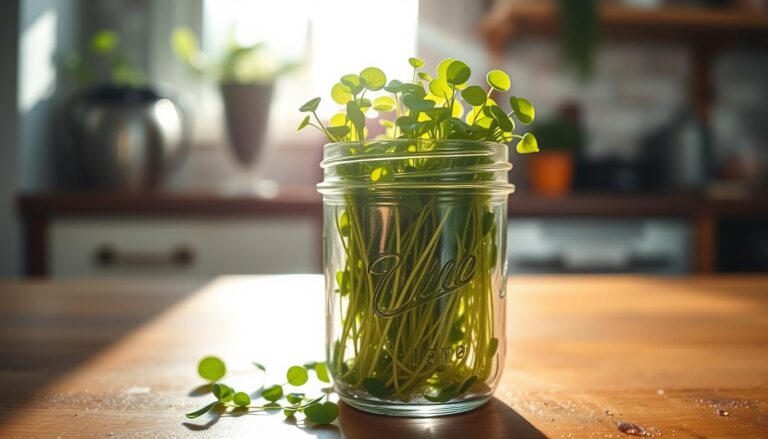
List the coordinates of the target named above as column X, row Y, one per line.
column 118, row 358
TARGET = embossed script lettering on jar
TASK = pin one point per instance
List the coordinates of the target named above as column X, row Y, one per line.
column 448, row 278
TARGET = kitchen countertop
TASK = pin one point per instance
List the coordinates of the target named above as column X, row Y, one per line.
column 118, row 358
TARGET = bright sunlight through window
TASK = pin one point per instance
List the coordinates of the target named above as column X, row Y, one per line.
column 329, row 35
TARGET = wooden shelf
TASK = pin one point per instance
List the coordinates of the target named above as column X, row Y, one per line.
column 703, row 213
column 722, row 25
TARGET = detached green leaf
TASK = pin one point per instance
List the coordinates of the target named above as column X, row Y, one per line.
column 474, row 95
column 310, row 106
column 324, row 413
column 202, row 411
column 416, row 62
column 374, row 78
column 211, row 368
column 523, row 109
column 273, row 393
column 259, row 366
column 527, row 145
column 289, row 413
column 297, row 375
column 498, row 80
column 295, row 398
column 241, row 399
column 457, row 73
column 222, row 392
column 303, row 123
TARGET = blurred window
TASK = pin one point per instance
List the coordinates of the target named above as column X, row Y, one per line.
column 329, row 38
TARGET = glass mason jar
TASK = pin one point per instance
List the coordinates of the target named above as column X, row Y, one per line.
column 415, row 270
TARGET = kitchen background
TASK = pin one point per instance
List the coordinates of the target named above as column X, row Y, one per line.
column 651, row 117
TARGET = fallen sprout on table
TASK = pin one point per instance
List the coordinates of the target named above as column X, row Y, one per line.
column 213, row 369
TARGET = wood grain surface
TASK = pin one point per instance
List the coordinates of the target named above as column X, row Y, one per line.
column 118, row 358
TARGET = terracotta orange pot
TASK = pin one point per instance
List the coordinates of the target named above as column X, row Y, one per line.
column 551, row 172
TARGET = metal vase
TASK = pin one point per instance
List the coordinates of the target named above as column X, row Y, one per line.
column 246, row 108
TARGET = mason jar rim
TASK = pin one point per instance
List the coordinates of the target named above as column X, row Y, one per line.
column 455, row 176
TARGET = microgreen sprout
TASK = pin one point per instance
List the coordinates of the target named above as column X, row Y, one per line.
column 443, row 106
column 316, row 411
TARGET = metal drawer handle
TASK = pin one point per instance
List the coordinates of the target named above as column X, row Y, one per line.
column 107, row 256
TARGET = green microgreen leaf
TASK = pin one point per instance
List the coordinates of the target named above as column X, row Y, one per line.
column 259, row 366
column 303, row 123
column 202, row 411
column 297, row 375
column 493, row 346
column 355, row 115
column 241, row 399
column 443, row 395
column 376, row 387
column 289, row 413
column 338, row 132
column 416, row 62
column 528, row 144
column 416, row 104
column 344, row 224
column 104, row 41
column 185, row 45
column 211, row 368
column 374, row 78
column 353, row 82
column 440, row 88
column 324, row 413
column 322, row 372
column 222, row 392
column 498, row 80
column 382, row 174
column 310, row 105
column 442, row 68
column 523, row 109
column 424, row 76
column 273, row 393
column 457, row 73
column 384, row 104
column 474, row 95
column 467, row 384
column 393, row 86
column 340, row 93
column 505, row 123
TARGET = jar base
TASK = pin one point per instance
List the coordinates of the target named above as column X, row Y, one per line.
column 416, row 410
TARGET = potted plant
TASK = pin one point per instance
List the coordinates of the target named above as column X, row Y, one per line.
column 415, row 237
column 551, row 171
column 246, row 77
column 125, row 133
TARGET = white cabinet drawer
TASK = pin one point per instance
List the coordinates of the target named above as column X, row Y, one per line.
column 87, row 247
